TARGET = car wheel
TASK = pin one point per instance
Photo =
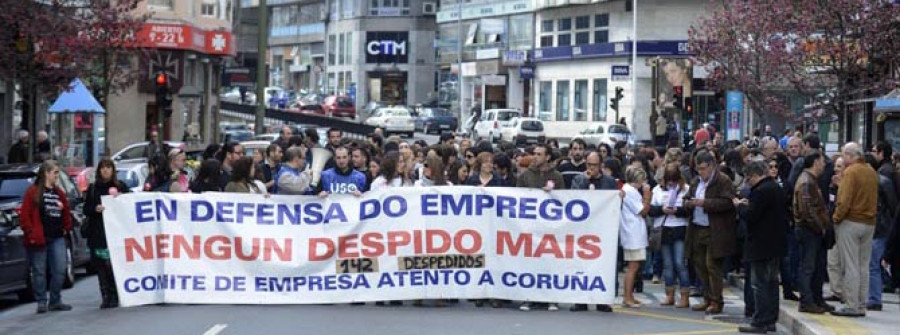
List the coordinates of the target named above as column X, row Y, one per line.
column 69, row 280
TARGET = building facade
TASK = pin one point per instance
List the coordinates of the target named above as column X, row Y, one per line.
column 296, row 53
column 189, row 41
column 380, row 50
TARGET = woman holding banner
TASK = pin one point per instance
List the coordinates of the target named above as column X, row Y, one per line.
column 242, row 178
column 633, row 231
column 105, row 184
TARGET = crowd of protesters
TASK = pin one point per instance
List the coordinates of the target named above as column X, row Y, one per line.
column 773, row 210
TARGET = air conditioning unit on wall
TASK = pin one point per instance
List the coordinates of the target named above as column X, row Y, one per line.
column 429, row 8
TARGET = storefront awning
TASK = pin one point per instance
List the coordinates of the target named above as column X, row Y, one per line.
column 888, row 103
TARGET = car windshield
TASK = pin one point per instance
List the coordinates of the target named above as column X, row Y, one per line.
column 236, row 127
column 506, row 115
column 531, row 125
column 618, row 129
column 344, row 102
column 13, row 187
column 437, row 112
column 130, row 179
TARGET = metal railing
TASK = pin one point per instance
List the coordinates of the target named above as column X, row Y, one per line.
column 276, row 116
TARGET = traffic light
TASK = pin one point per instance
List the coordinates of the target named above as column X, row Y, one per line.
column 688, row 105
column 163, row 94
column 614, row 102
column 678, row 97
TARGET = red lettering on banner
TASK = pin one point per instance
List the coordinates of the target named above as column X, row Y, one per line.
column 396, row 239
column 585, row 247
column 372, row 244
column 476, row 241
column 375, row 244
column 216, row 247
column 441, row 248
column 314, row 254
column 347, row 246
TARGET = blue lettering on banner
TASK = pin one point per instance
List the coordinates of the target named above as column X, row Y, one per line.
column 505, row 207
column 576, row 282
column 344, row 281
column 261, row 213
column 165, row 282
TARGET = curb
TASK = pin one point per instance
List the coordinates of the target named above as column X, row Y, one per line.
column 788, row 315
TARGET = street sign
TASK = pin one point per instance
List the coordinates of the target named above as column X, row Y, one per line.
column 621, row 73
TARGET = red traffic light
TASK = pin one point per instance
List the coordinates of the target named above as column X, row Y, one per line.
column 162, row 79
column 678, row 90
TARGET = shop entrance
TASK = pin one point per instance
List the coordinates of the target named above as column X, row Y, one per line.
column 388, row 87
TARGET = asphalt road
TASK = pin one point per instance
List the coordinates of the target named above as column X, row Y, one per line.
column 462, row 318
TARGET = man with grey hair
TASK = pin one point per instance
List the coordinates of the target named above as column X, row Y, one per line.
column 712, row 234
column 854, row 220
column 42, row 147
column 18, row 153
column 765, row 212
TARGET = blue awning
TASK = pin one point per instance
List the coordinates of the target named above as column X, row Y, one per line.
column 76, row 100
column 888, row 103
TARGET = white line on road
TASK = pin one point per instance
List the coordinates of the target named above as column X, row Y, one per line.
column 216, row 329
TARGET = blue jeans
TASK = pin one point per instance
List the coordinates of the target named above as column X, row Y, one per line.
column 790, row 264
column 764, row 278
column 811, row 276
column 875, row 284
column 673, row 260
column 52, row 256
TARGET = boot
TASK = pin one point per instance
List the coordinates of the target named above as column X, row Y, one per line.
column 685, row 300
column 701, row 307
column 715, row 308
column 670, row 296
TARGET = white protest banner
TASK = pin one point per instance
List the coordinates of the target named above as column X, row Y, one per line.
column 408, row 243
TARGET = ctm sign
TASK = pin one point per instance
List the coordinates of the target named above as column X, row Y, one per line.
column 387, row 47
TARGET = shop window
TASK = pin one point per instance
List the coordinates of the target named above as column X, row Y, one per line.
column 341, row 51
column 332, row 40
column 581, row 91
column 562, row 100
column 599, row 100
column 545, row 94
column 389, row 7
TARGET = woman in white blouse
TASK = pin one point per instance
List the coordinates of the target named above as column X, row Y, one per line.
column 667, row 207
column 392, row 169
column 633, row 231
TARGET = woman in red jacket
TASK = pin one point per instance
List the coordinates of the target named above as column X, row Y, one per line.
column 46, row 219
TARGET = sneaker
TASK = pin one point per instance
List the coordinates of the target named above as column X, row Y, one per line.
column 791, row 296
column 827, row 307
column 848, row 312
column 873, row 307
column 813, row 309
column 60, row 307
column 552, row 307
column 41, row 308
column 655, row 280
column 604, row 308
column 525, row 307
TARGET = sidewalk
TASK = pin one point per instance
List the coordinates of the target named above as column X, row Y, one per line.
column 794, row 322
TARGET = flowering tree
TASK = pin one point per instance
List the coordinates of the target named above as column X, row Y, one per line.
column 831, row 51
column 741, row 46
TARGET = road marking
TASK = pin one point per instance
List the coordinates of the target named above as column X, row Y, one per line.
column 670, row 318
column 216, row 329
column 693, row 332
column 840, row 325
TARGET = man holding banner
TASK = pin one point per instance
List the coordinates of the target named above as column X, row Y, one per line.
column 342, row 179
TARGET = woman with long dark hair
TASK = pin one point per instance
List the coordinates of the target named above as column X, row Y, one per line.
column 433, row 173
column 105, row 183
column 667, row 207
column 242, row 178
column 207, row 179
column 392, row 168
column 45, row 220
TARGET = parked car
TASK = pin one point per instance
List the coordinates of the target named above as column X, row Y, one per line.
column 134, row 174
column 492, row 122
column 14, row 271
column 339, row 106
column 137, row 150
column 372, row 106
column 393, row 120
column 267, row 137
column 606, row 133
column 234, row 132
column 436, row 120
column 524, row 130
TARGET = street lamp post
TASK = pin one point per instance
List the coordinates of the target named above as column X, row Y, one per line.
column 261, row 67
